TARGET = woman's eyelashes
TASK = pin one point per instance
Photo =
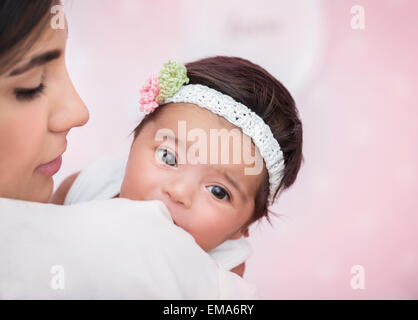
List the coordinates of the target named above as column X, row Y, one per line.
column 23, row 94
column 165, row 156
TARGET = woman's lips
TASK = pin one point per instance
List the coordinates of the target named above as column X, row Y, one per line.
column 50, row 168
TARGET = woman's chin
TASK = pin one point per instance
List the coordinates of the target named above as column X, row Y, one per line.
column 44, row 192
column 41, row 191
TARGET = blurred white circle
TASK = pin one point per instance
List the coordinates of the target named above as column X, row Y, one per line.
column 285, row 37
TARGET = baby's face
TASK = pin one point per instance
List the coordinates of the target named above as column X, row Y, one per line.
column 201, row 200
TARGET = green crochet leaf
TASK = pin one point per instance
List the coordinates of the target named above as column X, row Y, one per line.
column 172, row 76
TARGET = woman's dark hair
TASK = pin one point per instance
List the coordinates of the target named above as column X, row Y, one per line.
column 254, row 87
column 21, row 24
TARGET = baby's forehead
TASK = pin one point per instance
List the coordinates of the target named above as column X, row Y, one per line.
column 195, row 116
column 196, row 123
column 199, row 129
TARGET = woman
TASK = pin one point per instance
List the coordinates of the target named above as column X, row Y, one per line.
column 38, row 107
column 38, row 103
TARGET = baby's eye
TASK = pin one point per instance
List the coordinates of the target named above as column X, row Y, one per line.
column 166, row 156
column 219, row 192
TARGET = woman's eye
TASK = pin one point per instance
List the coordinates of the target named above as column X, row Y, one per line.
column 29, row 94
column 166, row 157
column 219, row 192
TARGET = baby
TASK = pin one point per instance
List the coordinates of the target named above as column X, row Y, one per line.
column 214, row 191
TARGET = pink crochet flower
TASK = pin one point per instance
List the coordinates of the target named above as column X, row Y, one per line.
column 148, row 95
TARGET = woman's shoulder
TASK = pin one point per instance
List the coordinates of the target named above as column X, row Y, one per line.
column 101, row 180
column 61, row 193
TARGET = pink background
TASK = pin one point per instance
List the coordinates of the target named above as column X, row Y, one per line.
column 353, row 202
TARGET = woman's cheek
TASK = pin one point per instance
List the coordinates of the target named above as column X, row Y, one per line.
column 22, row 137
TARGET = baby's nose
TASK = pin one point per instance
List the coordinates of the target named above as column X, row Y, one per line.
column 180, row 192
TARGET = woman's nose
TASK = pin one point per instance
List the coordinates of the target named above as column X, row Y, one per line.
column 68, row 110
column 180, row 191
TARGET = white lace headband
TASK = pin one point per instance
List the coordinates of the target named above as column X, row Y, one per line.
column 169, row 87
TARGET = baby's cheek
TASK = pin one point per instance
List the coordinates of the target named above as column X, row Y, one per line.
column 132, row 184
column 140, row 180
column 214, row 227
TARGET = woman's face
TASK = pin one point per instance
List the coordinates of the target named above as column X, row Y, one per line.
column 200, row 198
column 38, row 107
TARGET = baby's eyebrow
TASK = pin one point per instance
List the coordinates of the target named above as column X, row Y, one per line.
column 175, row 139
column 233, row 182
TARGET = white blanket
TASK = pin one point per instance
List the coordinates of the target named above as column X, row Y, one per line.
column 103, row 179
column 109, row 249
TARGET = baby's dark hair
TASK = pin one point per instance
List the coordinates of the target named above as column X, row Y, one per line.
column 254, row 87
